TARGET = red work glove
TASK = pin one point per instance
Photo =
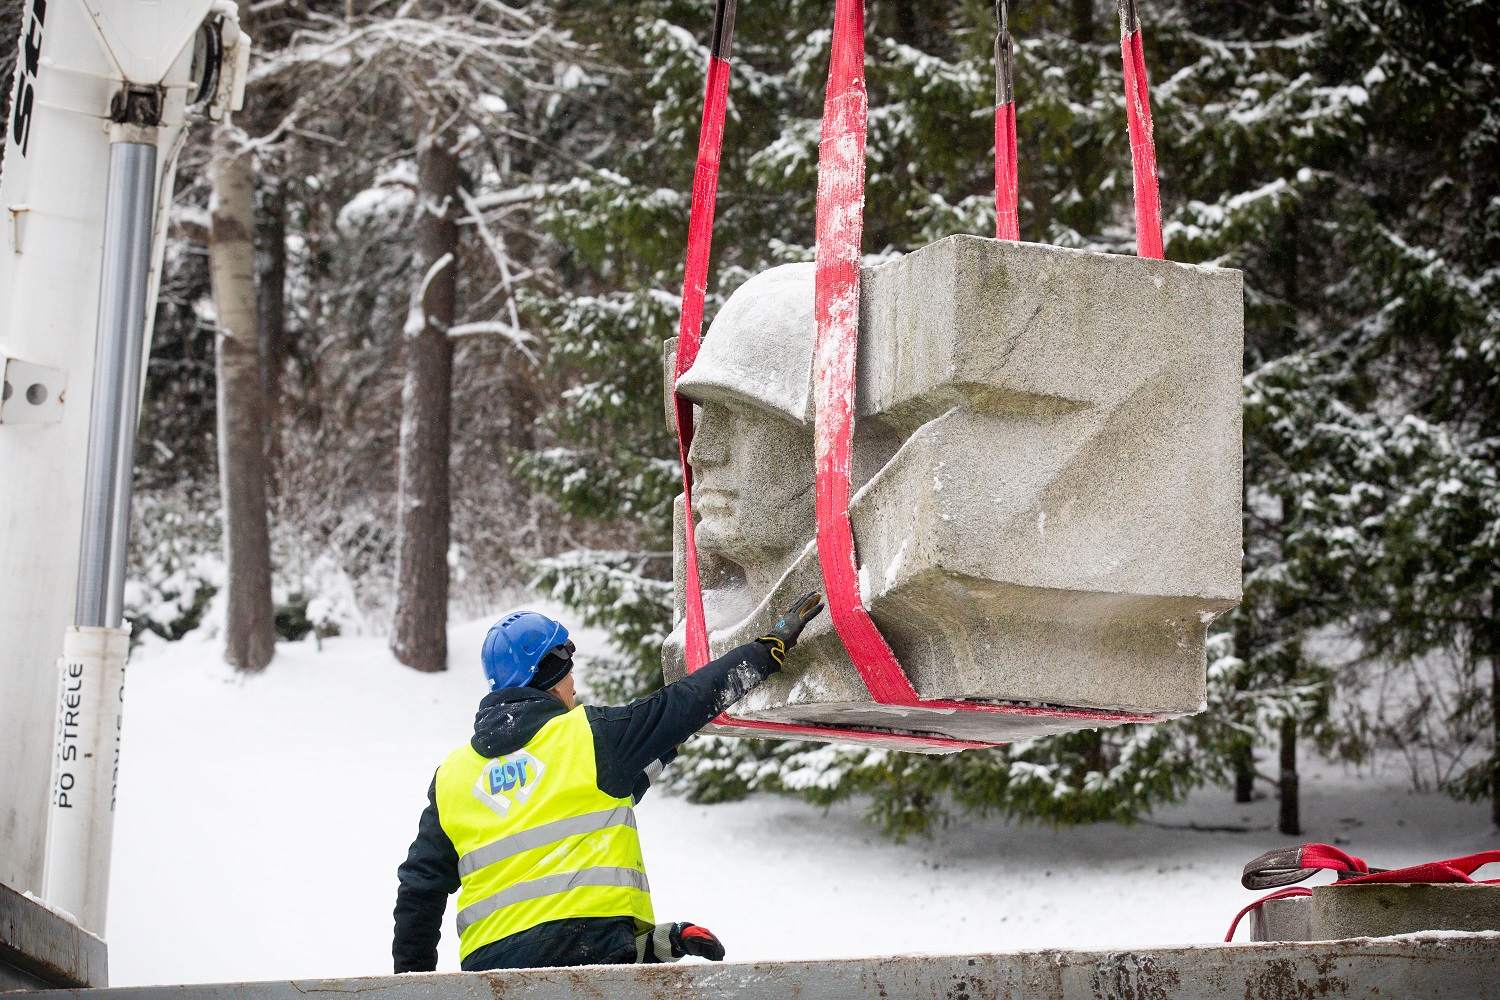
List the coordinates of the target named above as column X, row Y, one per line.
column 690, row 939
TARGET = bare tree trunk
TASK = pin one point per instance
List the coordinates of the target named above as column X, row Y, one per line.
column 271, row 305
column 907, row 28
column 1290, row 821
column 1244, row 772
column 1243, row 754
column 1494, row 653
column 250, row 625
column 1495, row 751
column 1083, row 22
column 420, row 636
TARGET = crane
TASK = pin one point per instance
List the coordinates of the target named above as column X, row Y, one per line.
column 104, row 93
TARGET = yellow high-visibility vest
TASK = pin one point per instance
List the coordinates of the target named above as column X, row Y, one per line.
column 536, row 838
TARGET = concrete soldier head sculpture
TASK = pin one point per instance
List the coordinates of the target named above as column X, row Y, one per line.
column 1047, row 476
column 752, row 451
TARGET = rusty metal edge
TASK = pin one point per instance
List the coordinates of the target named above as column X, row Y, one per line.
column 45, row 946
column 1443, row 964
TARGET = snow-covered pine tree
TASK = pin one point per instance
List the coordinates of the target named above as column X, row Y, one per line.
column 1254, row 131
column 1296, row 141
column 1389, row 413
column 1334, row 158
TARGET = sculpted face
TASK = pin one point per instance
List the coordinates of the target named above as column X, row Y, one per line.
column 752, row 489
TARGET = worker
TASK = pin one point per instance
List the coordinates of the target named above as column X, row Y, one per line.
column 531, row 820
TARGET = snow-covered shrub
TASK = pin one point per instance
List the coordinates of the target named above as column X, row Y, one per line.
column 315, row 596
column 176, row 573
column 176, row 562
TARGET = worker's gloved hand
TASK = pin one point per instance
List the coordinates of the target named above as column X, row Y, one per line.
column 690, row 939
column 670, row 942
column 783, row 635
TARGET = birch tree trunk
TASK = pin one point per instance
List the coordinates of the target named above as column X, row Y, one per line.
column 420, row 636
column 250, row 624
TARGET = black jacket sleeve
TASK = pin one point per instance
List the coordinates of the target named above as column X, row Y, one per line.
column 628, row 739
column 429, row 875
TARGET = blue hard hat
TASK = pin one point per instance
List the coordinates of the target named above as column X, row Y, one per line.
column 516, row 644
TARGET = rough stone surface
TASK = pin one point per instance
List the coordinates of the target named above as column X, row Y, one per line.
column 1047, row 467
column 1371, row 909
column 1288, row 919
column 1376, row 909
column 39, row 949
column 1460, row 967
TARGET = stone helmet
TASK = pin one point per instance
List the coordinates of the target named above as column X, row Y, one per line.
column 759, row 349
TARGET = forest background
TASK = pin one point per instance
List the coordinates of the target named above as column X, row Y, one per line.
column 469, row 223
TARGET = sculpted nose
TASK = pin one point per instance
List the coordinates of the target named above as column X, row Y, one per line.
column 710, row 447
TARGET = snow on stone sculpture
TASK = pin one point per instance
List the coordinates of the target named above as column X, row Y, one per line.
column 1047, row 476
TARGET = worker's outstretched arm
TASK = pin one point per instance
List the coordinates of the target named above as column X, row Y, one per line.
column 628, row 739
column 429, row 875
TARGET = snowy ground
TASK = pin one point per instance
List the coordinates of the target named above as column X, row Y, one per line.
column 260, row 823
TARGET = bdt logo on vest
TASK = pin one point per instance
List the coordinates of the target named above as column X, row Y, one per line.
column 508, row 775
column 512, row 777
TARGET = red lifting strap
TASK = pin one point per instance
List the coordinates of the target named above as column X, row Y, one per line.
column 1278, row 894
column 1148, row 235
column 1296, row 864
column 1148, row 242
column 689, row 338
column 840, row 226
column 1007, row 217
column 694, row 285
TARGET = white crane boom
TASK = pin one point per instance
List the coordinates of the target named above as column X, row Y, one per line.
column 101, row 97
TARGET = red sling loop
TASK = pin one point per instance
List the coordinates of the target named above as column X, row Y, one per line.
column 1007, row 216
column 690, row 330
column 1148, row 241
column 1296, row 864
column 694, row 285
column 840, row 224
column 1148, row 236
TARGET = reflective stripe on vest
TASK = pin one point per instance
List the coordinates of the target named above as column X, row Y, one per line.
column 547, row 833
column 550, row 885
column 537, row 840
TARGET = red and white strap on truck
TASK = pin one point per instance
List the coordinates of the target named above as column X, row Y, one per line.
column 1286, row 866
